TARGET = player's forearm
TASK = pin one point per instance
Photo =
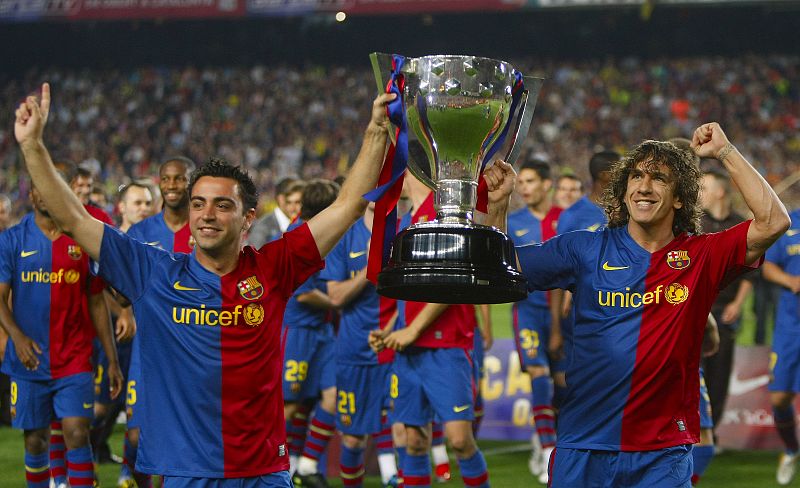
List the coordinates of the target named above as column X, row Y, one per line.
column 427, row 316
column 769, row 214
column 62, row 204
column 7, row 321
column 343, row 292
column 315, row 299
column 98, row 311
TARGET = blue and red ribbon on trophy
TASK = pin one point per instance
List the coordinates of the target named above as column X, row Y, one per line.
column 517, row 90
column 390, row 182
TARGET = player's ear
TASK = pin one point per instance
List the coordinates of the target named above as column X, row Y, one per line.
column 249, row 218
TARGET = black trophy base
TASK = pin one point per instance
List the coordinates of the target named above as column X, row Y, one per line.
column 439, row 263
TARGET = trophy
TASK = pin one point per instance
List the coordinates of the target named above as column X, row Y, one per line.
column 462, row 112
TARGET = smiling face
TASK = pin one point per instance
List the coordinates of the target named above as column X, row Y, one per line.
column 650, row 196
column 217, row 217
column 174, row 183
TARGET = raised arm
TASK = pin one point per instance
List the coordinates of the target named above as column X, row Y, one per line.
column 63, row 206
column 770, row 219
column 328, row 226
column 500, row 180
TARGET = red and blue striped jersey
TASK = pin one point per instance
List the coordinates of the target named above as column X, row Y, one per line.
column 786, row 254
column 524, row 228
column 212, row 404
column 154, row 231
column 366, row 312
column 50, row 283
column 582, row 215
column 455, row 327
column 632, row 378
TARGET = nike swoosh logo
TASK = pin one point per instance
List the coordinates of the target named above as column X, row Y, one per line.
column 25, row 254
column 740, row 387
column 180, row 287
column 608, row 267
column 155, row 243
column 354, row 255
column 521, row 232
column 460, row 409
column 87, row 405
column 792, row 232
column 593, row 228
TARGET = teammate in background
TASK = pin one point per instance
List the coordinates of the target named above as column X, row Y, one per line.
column 135, row 204
column 82, row 184
column 209, row 322
column 309, row 370
column 168, row 230
column 5, row 212
column 288, row 193
column 57, row 309
column 643, row 289
column 782, row 267
column 718, row 215
column 433, row 369
column 568, row 190
column 362, row 376
column 534, row 223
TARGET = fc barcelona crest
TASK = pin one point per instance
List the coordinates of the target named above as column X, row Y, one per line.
column 74, row 251
column 250, row 288
column 678, row 259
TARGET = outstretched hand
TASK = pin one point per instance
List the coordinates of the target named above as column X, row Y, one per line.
column 709, row 140
column 31, row 117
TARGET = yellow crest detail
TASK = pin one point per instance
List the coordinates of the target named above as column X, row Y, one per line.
column 678, row 259
column 250, row 288
column 676, row 293
column 72, row 276
column 254, row 314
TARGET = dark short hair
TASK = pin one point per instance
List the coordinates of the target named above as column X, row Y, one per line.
column 318, row 194
column 186, row 162
column 602, row 161
column 123, row 189
column 285, row 184
column 686, row 177
column 220, row 168
column 66, row 169
column 82, row 173
column 721, row 177
column 569, row 176
column 541, row 167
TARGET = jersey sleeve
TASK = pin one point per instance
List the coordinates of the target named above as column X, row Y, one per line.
column 294, row 258
column 126, row 263
column 729, row 249
column 8, row 249
column 335, row 263
column 777, row 252
column 551, row 264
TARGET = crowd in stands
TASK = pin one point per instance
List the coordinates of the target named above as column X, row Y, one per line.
column 280, row 121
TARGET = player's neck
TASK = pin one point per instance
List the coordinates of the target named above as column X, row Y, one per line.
column 176, row 218
column 540, row 209
column 220, row 261
column 47, row 226
column 651, row 238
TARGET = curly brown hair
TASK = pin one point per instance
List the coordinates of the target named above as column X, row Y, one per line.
column 686, row 176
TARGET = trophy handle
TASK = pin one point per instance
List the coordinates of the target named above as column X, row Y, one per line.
column 531, row 94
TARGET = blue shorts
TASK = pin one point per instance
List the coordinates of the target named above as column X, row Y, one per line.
column 131, row 387
column 706, row 422
column 102, row 394
column 280, row 479
column 35, row 403
column 308, row 364
column 362, row 394
column 784, row 362
column 433, row 383
column 663, row 468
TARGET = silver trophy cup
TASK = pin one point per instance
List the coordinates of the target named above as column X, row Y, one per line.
column 460, row 110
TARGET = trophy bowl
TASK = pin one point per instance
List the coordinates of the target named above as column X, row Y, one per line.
column 462, row 112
